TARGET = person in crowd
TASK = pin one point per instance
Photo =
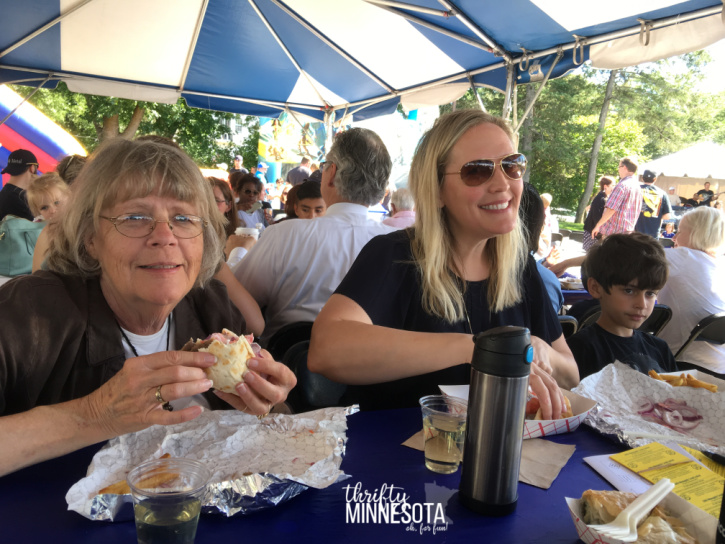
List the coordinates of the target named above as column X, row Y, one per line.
column 70, row 166
column 656, row 206
column 551, row 224
column 717, row 204
column 669, row 231
column 674, row 199
column 624, row 204
column 295, row 266
column 402, row 210
column 625, row 274
column 695, row 288
column 308, row 201
column 289, row 204
column 225, row 203
column 130, row 278
column 531, row 213
column 238, row 165
column 46, row 195
column 705, row 195
column 22, row 167
column 402, row 321
column 299, row 173
column 596, row 209
column 249, row 209
column 261, row 172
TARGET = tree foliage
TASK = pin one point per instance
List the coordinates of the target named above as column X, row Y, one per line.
column 91, row 119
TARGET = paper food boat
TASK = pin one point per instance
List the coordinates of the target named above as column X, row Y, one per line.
column 580, row 407
column 698, row 523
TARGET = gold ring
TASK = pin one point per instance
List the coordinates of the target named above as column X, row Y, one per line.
column 164, row 404
column 265, row 414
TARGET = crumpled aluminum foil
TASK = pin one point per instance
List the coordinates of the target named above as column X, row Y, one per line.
column 618, row 389
column 255, row 464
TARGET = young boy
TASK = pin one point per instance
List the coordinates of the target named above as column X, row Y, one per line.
column 624, row 273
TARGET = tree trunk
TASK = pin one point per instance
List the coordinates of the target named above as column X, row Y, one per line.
column 111, row 126
column 135, row 122
column 593, row 160
column 527, row 129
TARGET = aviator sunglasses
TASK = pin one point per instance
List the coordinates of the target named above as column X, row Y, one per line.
column 478, row 172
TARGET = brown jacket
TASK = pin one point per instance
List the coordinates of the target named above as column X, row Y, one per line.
column 60, row 341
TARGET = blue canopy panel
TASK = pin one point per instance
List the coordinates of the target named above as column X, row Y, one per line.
column 42, row 52
column 495, row 79
column 269, row 75
column 385, row 107
column 21, row 77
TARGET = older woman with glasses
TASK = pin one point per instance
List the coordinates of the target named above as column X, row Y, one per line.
column 89, row 352
column 402, row 320
column 249, row 190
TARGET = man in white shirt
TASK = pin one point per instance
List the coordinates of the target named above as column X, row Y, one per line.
column 297, row 265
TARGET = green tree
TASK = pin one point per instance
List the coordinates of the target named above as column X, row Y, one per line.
column 91, row 119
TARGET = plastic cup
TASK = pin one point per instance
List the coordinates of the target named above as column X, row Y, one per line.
column 444, row 429
column 247, row 231
column 167, row 498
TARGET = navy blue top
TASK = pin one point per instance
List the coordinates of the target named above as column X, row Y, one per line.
column 385, row 282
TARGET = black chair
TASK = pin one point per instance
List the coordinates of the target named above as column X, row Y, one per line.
column 568, row 324
column 590, row 316
column 709, row 329
column 288, row 336
column 661, row 315
column 557, row 237
column 313, row 391
column 577, row 236
column 667, row 242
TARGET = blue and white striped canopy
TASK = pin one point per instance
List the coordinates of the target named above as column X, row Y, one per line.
column 361, row 57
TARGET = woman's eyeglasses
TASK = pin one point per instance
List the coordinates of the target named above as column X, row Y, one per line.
column 139, row 226
column 478, row 172
column 221, row 201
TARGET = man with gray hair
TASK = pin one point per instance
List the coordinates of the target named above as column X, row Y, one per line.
column 297, row 265
column 402, row 214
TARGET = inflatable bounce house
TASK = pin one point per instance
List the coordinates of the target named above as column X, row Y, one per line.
column 27, row 128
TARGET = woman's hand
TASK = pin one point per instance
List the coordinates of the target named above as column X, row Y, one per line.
column 266, row 384
column 239, row 240
column 128, row 403
column 541, row 354
column 547, row 391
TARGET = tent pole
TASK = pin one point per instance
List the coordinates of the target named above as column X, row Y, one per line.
column 328, row 130
column 559, row 56
column 475, row 92
column 510, row 75
column 24, row 100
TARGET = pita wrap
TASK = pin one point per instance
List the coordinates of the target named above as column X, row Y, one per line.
column 232, row 353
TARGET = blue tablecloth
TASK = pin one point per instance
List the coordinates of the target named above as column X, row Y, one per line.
column 575, row 295
column 33, row 507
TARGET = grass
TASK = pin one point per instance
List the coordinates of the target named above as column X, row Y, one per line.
column 571, row 226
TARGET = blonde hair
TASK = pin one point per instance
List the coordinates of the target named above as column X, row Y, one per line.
column 432, row 242
column 42, row 187
column 121, row 170
column 707, row 228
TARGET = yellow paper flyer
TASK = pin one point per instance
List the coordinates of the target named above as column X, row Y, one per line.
column 693, row 482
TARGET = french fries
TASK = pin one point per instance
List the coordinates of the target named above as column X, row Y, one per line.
column 683, row 380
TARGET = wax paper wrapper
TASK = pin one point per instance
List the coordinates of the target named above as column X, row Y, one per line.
column 621, row 392
column 698, row 523
column 580, row 407
column 255, row 464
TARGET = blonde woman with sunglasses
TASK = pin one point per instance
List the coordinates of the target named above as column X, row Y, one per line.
column 401, row 322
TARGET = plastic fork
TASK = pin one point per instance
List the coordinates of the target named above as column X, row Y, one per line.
column 624, row 526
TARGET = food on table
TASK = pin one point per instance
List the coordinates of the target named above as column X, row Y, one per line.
column 533, row 409
column 232, row 353
column 672, row 413
column 121, row 487
column 683, row 379
column 599, row 507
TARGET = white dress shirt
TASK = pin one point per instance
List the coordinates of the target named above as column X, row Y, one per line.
column 298, row 264
column 694, row 290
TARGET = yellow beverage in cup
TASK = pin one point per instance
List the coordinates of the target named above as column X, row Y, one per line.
column 444, row 431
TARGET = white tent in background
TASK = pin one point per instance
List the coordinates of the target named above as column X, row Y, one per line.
column 687, row 170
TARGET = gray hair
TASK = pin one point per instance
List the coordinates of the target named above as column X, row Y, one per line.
column 707, row 228
column 402, row 200
column 122, row 170
column 363, row 166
